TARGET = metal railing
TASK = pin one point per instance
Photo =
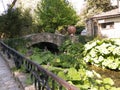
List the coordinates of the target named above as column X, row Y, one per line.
column 42, row 78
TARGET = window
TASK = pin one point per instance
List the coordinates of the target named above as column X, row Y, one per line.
column 109, row 25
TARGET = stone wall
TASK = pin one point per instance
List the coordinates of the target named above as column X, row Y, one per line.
column 46, row 37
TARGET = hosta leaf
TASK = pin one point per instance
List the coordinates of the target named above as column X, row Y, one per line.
column 111, row 48
column 93, row 88
column 99, row 42
column 96, row 74
column 101, row 58
column 107, row 87
column 108, row 81
column 113, row 65
column 99, row 81
column 89, row 46
column 114, row 88
column 96, row 60
column 73, row 74
column 93, row 53
column 116, row 51
column 62, row 75
column 87, row 58
column 103, row 48
column 89, row 74
column 84, row 87
column 102, row 88
column 117, row 42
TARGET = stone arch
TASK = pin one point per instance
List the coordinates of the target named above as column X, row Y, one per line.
column 47, row 46
column 45, row 37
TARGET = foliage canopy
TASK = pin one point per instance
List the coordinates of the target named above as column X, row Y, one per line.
column 99, row 4
column 53, row 14
column 94, row 7
column 15, row 23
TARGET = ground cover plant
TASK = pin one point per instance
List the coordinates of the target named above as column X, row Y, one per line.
column 104, row 53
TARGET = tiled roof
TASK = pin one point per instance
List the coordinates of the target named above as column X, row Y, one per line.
column 112, row 13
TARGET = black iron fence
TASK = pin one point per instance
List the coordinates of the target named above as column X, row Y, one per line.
column 42, row 78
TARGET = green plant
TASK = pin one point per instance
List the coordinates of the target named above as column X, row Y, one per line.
column 72, row 54
column 104, row 53
column 70, row 65
column 18, row 44
column 14, row 22
column 28, row 80
column 41, row 57
column 53, row 14
column 85, row 39
column 85, row 79
column 79, row 29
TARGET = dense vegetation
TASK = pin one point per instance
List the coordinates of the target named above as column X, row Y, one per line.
column 70, row 65
column 55, row 15
column 51, row 15
column 104, row 53
column 15, row 23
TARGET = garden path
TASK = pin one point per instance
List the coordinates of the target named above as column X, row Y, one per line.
column 7, row 81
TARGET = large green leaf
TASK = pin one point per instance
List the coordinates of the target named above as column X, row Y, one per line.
column 108, row 81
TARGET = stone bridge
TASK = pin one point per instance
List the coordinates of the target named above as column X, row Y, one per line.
column 56, row 39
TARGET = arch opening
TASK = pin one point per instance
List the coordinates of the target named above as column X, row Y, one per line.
column 53, row 48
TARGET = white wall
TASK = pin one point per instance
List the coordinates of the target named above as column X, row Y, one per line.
column 112, row 33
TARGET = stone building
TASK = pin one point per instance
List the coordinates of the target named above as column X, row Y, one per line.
column 106, row 24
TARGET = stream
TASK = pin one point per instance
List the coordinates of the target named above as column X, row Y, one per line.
column 115, row 75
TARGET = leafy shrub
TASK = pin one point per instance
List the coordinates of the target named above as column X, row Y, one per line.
column 41, row 57
column 73, row 53
column 85, row 39
column 15, row 23
column 79, row 29
column 105, row 53
column 18, row 44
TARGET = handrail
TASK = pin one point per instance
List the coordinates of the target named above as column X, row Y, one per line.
column 42, row 78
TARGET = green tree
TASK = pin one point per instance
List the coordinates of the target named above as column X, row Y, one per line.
column 14, row 22
column 10, row 22
column 53, row 14
column 99, row 4
column 94, row 7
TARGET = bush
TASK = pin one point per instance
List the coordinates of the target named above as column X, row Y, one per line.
column 85, row 39
column 18, row 44
column 79, row 29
